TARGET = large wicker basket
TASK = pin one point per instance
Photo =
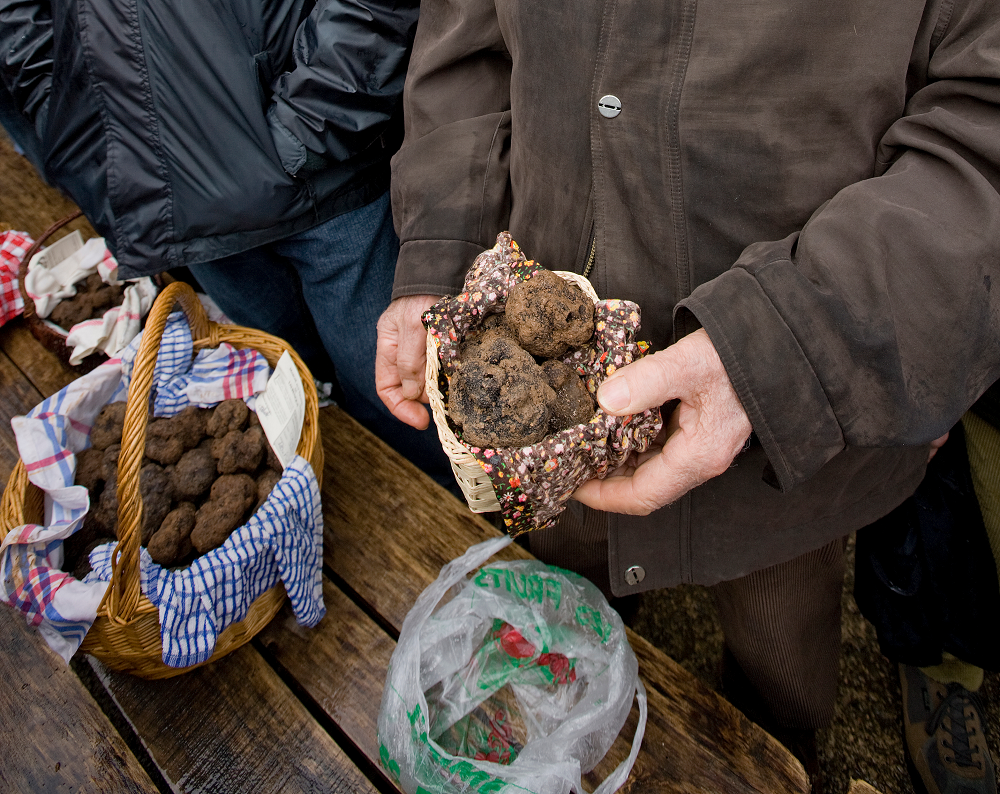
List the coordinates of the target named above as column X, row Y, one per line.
column 126, row 634
column 474, row 482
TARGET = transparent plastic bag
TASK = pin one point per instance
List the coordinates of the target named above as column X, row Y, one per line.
column 520, row 675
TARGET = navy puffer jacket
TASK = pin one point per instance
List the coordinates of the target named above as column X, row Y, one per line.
column 191, row 130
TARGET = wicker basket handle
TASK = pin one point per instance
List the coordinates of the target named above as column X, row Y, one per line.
column 122, row 597
column 29, row 304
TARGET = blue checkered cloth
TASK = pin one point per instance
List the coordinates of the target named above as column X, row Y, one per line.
column 214, row 375
column 281, row 542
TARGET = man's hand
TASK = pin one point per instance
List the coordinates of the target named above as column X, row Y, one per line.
column 400, row 358
column 706, row 431
column 936, row 444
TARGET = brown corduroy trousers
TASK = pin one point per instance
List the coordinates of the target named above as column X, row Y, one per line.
column 782, row 624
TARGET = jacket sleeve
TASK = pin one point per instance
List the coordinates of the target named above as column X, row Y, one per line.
column 450, row 180
column 876, row 325
column 26, row 65
column 345, row 82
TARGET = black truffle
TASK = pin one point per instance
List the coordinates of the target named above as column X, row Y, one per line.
column 549, row 314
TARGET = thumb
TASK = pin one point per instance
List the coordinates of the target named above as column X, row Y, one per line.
column 646, row 383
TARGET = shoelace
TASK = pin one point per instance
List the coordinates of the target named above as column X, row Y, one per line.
column 954, row 706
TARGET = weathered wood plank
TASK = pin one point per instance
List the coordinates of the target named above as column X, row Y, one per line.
column 390, row 548
column 27, row 204
column 17, row 396
column 41, row 366
column 716, row 725
column 55, row 736
column 232, row 726
column 341, row 663
column 386, row 523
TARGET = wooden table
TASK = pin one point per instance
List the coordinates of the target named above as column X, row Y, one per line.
column 295, row 709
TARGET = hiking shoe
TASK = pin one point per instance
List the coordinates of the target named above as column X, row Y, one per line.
column 946, row 750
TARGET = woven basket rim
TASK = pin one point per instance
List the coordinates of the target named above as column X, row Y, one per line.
column 472, row 478
column 124, row 606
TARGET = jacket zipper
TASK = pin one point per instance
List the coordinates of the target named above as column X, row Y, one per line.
column 589, row 266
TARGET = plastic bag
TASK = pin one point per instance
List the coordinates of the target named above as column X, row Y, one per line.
column 523, row 677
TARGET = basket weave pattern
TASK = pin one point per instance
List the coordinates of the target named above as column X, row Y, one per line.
column 531, row 484
column 472, row 479
column 126, row 634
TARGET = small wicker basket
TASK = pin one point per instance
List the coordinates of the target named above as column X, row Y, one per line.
column 126, row 634
column 53, row 339
column 469, row 473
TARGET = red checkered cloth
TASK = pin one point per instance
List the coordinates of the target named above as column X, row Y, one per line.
column 13, row 247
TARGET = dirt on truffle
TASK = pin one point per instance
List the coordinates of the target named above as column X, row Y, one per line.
column 573, row 404
column 549, row 314
column 499, row 395
column 196, row 487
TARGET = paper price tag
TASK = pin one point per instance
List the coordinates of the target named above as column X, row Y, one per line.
column 281, row 408
column 58, row 253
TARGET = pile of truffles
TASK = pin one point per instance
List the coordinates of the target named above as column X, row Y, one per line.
column 510, row 388
column 93, row 298
column 205, row 472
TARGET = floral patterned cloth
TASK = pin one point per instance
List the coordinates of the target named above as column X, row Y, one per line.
column 533, row 483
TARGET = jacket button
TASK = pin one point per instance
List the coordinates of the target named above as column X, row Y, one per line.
column 635, row 574
column 609, row 105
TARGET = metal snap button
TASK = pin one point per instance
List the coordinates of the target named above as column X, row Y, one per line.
column 635, row 574
column 609, row 105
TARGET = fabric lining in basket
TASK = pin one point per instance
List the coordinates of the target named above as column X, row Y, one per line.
column 127, row 632
column 530, row 485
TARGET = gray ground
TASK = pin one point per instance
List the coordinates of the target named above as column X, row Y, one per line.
column 864, row 741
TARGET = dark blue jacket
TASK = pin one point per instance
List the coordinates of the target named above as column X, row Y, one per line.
column 189, row 130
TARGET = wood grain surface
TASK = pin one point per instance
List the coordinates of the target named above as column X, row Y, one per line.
column 233, row 726
column 55, row 736
column 341, row 664
column 29, row 205
column 42, row 367
column 387, row 549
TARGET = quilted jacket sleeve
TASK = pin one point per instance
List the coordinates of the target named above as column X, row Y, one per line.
column 345, row 85
column 877, row 325
column 26, row 48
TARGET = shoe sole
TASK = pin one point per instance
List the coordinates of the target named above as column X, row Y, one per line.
column 911, row 768
column 915, row 779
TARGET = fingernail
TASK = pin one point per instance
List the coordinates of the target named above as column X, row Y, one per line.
column 613, row 395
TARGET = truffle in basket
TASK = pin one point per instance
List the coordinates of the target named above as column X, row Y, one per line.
column 508, row 388
column 196, row 487
column 93, row 298
column 515, row 362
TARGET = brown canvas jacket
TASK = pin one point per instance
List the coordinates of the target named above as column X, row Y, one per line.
column 816, row 184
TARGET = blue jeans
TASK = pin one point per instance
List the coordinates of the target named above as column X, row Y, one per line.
column 322, row 291
column 21, row 131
